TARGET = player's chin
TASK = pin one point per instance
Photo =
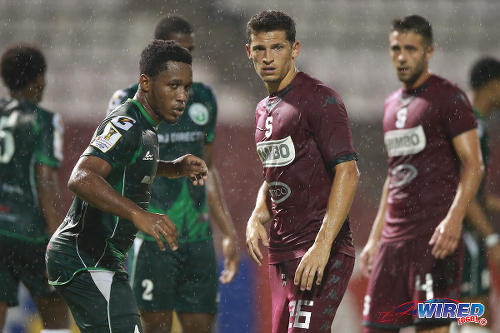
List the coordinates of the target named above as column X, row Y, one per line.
column 270, row 78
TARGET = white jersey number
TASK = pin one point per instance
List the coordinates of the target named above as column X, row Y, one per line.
column 269, row 126
column 7, row 143
column 148, row 286
column 299, row 318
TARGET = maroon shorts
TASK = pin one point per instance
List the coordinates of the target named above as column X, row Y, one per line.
column 308, row 311
column 405, row 273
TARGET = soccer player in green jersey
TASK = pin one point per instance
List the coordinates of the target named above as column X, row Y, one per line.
column 112, row 182
column 184, row 280
column 480, row 238
column 30, row 154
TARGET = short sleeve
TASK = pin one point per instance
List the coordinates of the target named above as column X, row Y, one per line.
column 456, row 113
column 211, row 104
column 115, row 141
column 330, row 129
column 49, row 146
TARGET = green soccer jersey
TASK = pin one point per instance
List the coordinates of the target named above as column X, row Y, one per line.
column 28, row 135
column 90, row 239
column 183, row 202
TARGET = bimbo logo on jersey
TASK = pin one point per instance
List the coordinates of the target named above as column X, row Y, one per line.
column 405, row 141
column 451, row 309
column 276, row 153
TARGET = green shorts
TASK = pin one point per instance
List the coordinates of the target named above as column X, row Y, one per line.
column 102, row 301
column 22, row 261
column 476, row 274
column 184, row 280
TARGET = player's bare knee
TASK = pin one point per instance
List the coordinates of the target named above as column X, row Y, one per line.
column 157, row 322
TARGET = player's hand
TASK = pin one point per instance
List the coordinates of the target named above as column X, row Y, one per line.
column 255, row 232
column 446, row 236
column 231, row 259
column 494, row 256
column 159, row 226
column 312, row 264
column 367, row 257
column 192, row 167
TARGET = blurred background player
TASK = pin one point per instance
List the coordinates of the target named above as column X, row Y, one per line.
column 112, row 183
column 184, row 280
column 304, row 142
column 30, row 154
column 480, row 238
column 415, row 248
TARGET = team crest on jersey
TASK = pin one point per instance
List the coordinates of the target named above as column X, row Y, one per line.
column 276, row 153
column 405, row 141
column 107, row 139
column 123, row 122
column 198, row 113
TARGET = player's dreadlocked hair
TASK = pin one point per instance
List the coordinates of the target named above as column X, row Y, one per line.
column 270, row 20
column 172, row 24
column 416, row 24
column 20, row 65
column 483, row 71
column 158, row 53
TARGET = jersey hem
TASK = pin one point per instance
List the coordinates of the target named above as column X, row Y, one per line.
column 75, row 273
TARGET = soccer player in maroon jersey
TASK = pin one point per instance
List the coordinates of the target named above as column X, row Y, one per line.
column 304, row 143
column 414, row 252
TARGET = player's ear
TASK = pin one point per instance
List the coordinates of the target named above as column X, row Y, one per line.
column 295, row 49
column 247, row 48
column 429, row 51
column 145, row 83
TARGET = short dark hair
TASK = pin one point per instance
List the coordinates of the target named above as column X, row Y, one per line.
column 20, row 65
column 416, row 24
column 158, row 53
column 483, row 71
column 172, row 24
column 270, row 20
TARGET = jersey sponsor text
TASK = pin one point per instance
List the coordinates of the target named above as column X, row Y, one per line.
column 405, row 141
column 276, row 153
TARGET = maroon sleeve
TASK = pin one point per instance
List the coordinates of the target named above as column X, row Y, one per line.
column 330, row 127
column 456, row 113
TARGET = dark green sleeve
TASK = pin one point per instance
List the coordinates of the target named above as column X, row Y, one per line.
column 114, row 142
column 49, row 146
column 211, row 104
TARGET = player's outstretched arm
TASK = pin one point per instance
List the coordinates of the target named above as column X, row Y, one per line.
column 255, row 226
column 88, row 182
column 220, row 213
column 447, row 234
column 49, row 195
column 370, row 249
column 187, row 165
column 342, row 192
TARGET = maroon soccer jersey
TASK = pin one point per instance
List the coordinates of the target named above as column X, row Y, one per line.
column 302, row 133
column 419, row 126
